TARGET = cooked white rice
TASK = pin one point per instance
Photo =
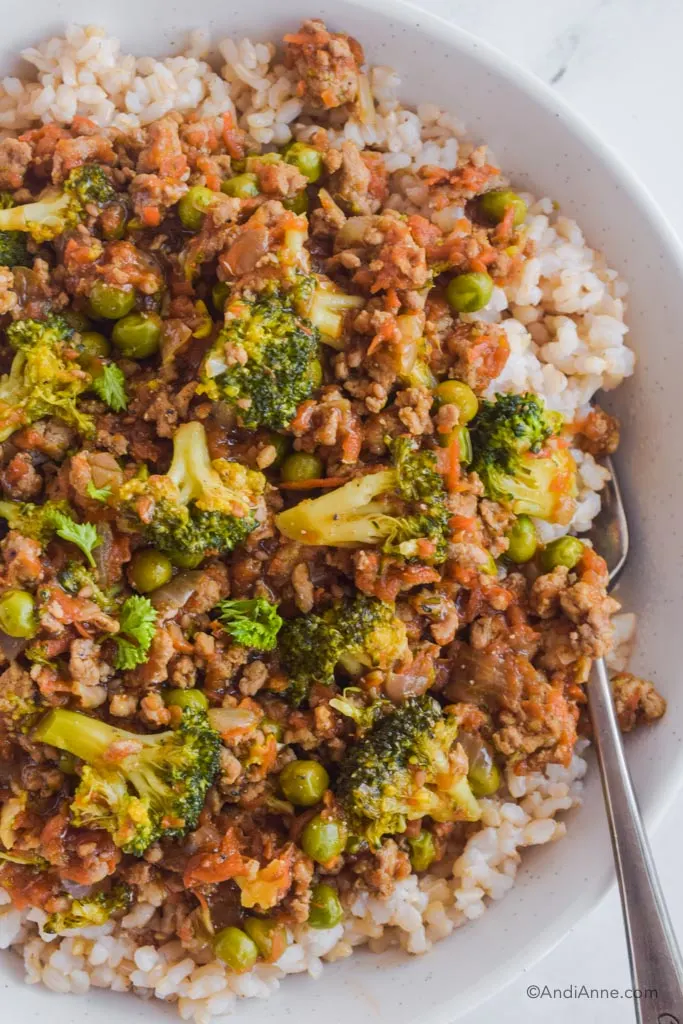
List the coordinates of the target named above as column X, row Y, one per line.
column 564, row 319
column 418, row 913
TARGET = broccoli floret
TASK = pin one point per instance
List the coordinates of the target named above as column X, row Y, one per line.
column 361, row 634
column 35, row 521
column 325, row 305
column 351, row 704
column 403, row 510
column 139, row 788
column 402, row 770
column 18, row 713
column 74, row 578
column 252, row 623
column 60, row 210
column 44, row 379
column 517, row 461
column 54, row 517
column 200, row 504
column 264, row 361
column 90, row 910
column 13, row 250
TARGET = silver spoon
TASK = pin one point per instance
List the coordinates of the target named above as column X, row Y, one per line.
column 654, row 956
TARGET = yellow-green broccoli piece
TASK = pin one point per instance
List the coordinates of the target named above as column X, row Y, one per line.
column 264, row 362
column 199, row 504
column 57, row 211
column 403, row 769
column 517, row 461
column 402, row 510
column 139, row 788
column 88, row 911
column 45, row 378
column 355, row 635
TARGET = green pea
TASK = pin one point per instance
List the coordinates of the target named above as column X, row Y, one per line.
column 464, row 443
column 282, row 445
column 307, row 159
column 66, row 762
column 193, row 206
column 236, row 949
column 422, row 850
column 113, row 220
column 243, row 186
column 494, row 205
column 323, row 839
column 483, row 775
column 469, row 292
column 297, row 204
column 301, row 466
column 110, row 302
column 522, row 540
column 455, row 392
column 137, row 335
column 17, row 614
column 567, row 551
column 325, row 909
column 149, row 569
column 303, row 782
column 219, row 295
column 185, row 559
column 270, row 937
column 94, row 344
column 186, row 699
column 79, row 321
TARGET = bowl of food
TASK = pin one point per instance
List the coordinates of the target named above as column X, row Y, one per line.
column 304, row 316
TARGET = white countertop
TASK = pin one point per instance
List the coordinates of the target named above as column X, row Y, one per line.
column 618, row 62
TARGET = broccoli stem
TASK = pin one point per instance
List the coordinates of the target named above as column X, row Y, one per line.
column 46, row 212
column 65, row 730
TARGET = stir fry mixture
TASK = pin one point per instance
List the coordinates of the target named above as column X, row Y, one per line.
column 275, row 613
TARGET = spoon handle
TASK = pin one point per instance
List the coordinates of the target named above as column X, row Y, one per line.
column 655, row 959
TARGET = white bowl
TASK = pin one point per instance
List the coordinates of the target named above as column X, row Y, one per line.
column 544, row 147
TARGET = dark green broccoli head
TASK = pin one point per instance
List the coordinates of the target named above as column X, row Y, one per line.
column 13, row 250
column 200, row 504
column 360, row 634
column 60, row 210
column 95, row 909
column 517, row 461
column 403, row 769
column 264, row 361
column 45, row 378
column 90, row 184
column 512, row 425
column 139, row 788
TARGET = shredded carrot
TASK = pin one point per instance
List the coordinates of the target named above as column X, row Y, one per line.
column 303, row 413
column 453, row 472
column 311, row 485
column 329, row 98
column 151, row 217
column 392, row 303
column 232, row 137
column 465, row 523
column 306, row 38
column 388, row 330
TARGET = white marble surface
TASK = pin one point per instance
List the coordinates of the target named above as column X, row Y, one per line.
column 618, row 62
